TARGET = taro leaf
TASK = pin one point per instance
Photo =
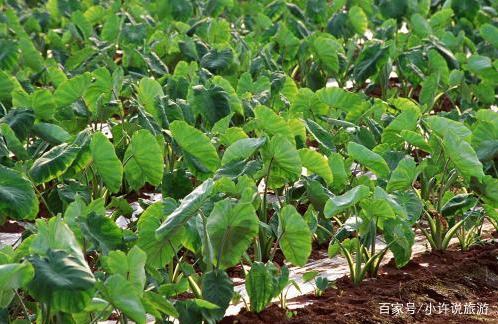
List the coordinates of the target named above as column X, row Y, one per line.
column 102, row 231
column 204, row 158
column 339, row 98
column 99, row 91
column 17, row 197
column 377, row 210
column 160, row 303
column 148, row 92
column 62, row 280
column 401, row 237
column 407, row 120
column 217, row 288
column 411, row 202
column 416, row 140
column 12, row 277
column 321, row 135
column 242, row 149
column 106, row 161
column 13, row 143
column 189, row 207
column 429, row 91
column 53, row 163
column 490, row 34
column 441, row 126
column 482, row 66
column 372, row 161
column 130, row 266
column 485, row 135
column 317, row 163
column 337, row 204
column 369, row 62
column 307, row 103
column 358, row 19
column 159, row 252
column 143, row 160
column 325, row 51
column 468, row 8
column 176, row 184
column 393, row 8
column 121, row 293
column 43, row 104
column 340, row 175
column 294, row 236
column 217, row 61
column 420, row 25
column 462, row 155
column 458, row 203
column 51, row 133
column 272, row 123
column 283, row 160
column 212, row 103
column 231, row 229
column 259, row 286
column 71, row 90
column 403, row 176
column 20, row 121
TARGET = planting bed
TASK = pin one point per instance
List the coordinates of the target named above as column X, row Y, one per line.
column 428, row 280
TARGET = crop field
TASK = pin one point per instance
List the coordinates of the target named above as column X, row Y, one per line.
column 250, row 162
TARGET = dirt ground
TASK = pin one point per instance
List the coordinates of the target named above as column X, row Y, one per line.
column 448, row 287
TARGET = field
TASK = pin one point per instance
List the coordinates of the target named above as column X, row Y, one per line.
column 223, row 161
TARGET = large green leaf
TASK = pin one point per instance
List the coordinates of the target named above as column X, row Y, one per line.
column 340, row 175
column 242, row 149
column 369, row 62
column 212, row 103
column 13, row 143
column 102, row 231
column 442, row 126
column 189, row 207
column 130, row 266
column 159, row 252
column 148, row 92
column 283, row 160
column 107, row 163
column 12, row 277
column 71, row 90
column 231, row 228
column 485, row 135
column 403, row 176
column 121, row 293
column 217, row 288
column 294, row 236
column 259, row 286
column 372, row 161
column 358, row 19
column 51, row 133
column 62, row 280
column 325, row 50
column 337, row 204
column 17, row 197
column 53, row 164
column 143, row 160
column 271, row 123
column 401, row 238
column 490, row 34
column 462, row 155
column 407, row 120
column 198, row 147
column 317, row 163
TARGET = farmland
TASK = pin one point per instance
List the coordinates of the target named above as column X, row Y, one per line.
column 184, row 161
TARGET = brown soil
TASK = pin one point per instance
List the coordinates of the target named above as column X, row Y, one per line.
column 430, row 279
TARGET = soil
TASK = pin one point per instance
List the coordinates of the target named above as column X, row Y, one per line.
column 431, row 279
